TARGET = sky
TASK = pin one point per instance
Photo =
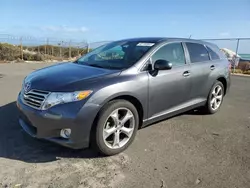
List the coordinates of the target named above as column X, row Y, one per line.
column 105, row 20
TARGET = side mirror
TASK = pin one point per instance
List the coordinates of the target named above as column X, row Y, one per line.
column 162, row 65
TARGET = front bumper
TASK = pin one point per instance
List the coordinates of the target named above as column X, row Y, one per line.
column 47, row 125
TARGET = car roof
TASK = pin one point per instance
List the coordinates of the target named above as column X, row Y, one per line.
column 161, row 39
column 169, row 39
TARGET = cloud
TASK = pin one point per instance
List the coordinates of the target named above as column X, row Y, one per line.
column 224, row 34
column 65, row 29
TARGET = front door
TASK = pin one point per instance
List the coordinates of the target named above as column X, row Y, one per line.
column 169, row 89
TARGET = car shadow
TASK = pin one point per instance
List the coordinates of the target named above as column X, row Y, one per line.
column 16, row 144
column 194, row 112
column 198, row 111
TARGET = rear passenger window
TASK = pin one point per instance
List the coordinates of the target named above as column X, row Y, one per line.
column 213, row 54
column 197, row 52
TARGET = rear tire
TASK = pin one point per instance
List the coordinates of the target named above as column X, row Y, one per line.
column 215, row 98
column 116, row 127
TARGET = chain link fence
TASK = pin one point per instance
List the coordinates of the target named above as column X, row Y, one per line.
column 237, row 51
column 42, row 49
column 37, row 49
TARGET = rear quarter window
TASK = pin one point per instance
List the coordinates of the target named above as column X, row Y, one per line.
column 213, row 54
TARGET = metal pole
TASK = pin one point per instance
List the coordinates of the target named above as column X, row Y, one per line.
column 61, row 46
column 47, row 45
column 237, row 48
column 45, row 48
column 21, row 47
column 87, row 47
column 60, row 51
column 70, row 49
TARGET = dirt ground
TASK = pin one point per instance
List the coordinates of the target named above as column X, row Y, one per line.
column 189, row 150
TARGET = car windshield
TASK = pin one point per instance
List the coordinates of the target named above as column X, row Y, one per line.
column 116, row 55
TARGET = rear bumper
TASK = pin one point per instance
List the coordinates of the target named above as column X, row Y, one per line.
column 47, row 125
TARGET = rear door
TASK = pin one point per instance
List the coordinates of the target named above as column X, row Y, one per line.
column 200, row 69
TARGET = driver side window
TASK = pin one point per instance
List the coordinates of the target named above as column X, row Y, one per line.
column 172, row 53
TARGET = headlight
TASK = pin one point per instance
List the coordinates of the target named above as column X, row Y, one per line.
column 56, row 98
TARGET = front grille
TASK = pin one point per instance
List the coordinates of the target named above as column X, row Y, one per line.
column 35, row 98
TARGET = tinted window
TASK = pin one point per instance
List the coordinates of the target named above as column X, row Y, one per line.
column 197, row 52
column 213, row 54
column 173, row 53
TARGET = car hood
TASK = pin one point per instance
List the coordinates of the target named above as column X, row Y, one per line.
column 61, row 76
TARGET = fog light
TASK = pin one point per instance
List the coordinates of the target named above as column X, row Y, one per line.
column 65, row 133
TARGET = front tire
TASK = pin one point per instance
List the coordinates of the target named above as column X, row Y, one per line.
column 215, row 98
column 117, row 124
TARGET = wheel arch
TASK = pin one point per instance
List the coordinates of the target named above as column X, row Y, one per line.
column 223, row 80
column 136, row 102
column 133, row 100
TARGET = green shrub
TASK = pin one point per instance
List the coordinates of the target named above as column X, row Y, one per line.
column 9, row 52
column 27, row 57
column 38, row 57
column 33, row 57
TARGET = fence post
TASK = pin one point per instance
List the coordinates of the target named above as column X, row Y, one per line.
column 45, row 49
column 87, row 47
column 70, row 49
column 21, row 47
column 47, row 44
column 237, row 48
column 61, row 49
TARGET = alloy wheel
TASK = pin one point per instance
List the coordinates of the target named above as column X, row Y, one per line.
column 118, row 128
column 216, row 97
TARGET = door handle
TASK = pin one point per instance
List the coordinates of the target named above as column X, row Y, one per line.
column 186, row 74
column 212, row 67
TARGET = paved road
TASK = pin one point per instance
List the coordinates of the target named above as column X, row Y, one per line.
column 190, row 150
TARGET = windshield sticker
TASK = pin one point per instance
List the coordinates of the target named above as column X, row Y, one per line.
column 145, row 44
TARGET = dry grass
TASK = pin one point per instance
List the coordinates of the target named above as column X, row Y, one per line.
column 246, row 72
column 3, row 61
column 239, row 71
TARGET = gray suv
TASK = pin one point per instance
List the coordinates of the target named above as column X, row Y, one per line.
column 101, row 99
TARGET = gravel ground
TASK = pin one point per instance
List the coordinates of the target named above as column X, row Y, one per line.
column 190, row 150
